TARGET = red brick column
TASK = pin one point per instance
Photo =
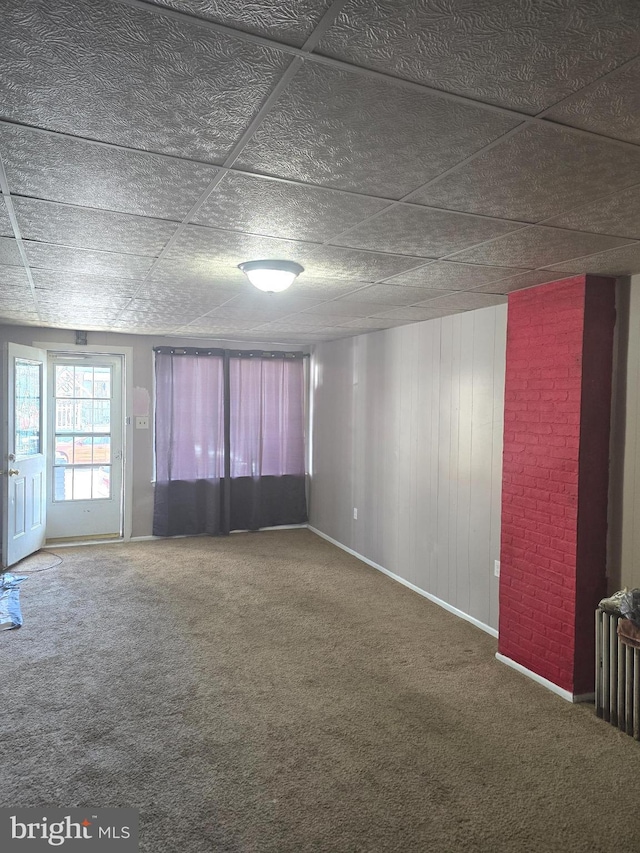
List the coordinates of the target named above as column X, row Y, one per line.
column 555, row 476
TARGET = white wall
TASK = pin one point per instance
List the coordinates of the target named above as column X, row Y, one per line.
column 407, row 427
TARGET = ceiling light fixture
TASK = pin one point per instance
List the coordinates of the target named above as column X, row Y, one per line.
column 271, row 276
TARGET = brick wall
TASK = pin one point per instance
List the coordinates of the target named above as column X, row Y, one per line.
column 555, row 473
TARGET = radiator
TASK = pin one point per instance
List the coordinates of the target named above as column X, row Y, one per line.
column 617, row 677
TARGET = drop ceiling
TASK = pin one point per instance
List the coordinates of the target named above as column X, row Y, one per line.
column 418, row 157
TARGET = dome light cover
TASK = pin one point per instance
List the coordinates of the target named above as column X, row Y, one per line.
column 271, row 276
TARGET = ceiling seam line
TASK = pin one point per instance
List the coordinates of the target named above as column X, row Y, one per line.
column 324, row 24
column 404, row 201
column 358, row 69
column 6, row 194
column 589, row 86
column 406, row 198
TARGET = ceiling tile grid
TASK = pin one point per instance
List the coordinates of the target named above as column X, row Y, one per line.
column 149, row 148
column 618, row 215
column 515, row 54
column 83, row 228
column 288, row 21
column 283, row 209
column 428, row 233
column 59, row 168
column 539, row 246
column 339, row 130
column 611, row 107
column 141, row 80
column 539, row 172
column 51, row 257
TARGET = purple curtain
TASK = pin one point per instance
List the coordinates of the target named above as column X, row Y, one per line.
column 267, row 442
column 189, row 435
column 229, row 441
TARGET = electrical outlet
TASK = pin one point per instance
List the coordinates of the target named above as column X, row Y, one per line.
column 496, row 568
column 355, row 514
column 141, row 422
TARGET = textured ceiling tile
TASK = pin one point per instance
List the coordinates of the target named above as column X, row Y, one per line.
column 514, row 53
column 96, row 289
column 224, row 250
column 372, row 324
column 76, row 172
column 428, row 233
column 447, row 275
column 5, row 224
column 536, row 173
column 12, row 277
column 324, row 288
column 518, row 282
column 195, row 275
column 78, row 318
column 467, row 301
column 185, row 293
column 288, row 21
column 283, row 303
column 135, row 327
column 278, row 209
column 389, row 294
column 19, row 318
column 101, row 303
column 143, row 80
column 611, row 107
column 48, row 222
column 332, row 262
column 48, row 256
column 623, row 261
column 311, row 321
column 16, row 300
column 149, row 313
column 416, row 314
column 538, row 247
column 344, row 309
column 342, row 130
column 9, row 253
column 618, row 215
column 240, row 317
column 289, row 327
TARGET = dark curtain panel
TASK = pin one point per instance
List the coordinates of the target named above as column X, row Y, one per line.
column 189, row 494
column 267, row 442
column 260, row 480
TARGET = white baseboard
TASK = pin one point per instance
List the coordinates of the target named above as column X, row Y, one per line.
column 449, row 607
column 559, row 691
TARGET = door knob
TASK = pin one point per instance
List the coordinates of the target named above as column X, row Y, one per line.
column 13, row 472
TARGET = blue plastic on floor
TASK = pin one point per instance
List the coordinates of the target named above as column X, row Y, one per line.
column 10, row 614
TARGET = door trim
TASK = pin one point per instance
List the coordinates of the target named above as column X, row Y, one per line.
column 127, row 408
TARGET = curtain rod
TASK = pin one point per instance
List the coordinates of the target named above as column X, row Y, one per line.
column 232, row 353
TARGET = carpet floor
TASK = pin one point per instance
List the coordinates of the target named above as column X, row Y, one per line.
column 267, row 692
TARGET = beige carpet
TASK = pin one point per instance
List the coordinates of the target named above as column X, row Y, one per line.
column 267, row 692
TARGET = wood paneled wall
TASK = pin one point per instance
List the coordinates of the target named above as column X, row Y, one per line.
column 407, row 428
column 624, row 519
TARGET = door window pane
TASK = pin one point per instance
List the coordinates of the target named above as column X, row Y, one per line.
column 82, row 442
column 27, row 407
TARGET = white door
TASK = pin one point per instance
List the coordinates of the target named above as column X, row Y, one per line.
column 24, row 453
column 85, row 495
